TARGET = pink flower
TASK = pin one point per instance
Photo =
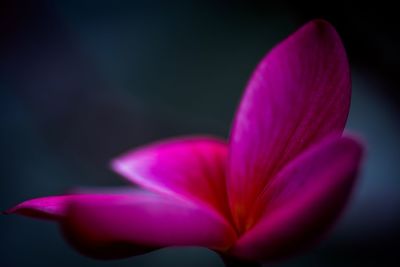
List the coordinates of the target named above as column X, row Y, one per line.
column 273, row 189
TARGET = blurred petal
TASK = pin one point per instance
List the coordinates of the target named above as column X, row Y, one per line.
column 118, row 225
column 303, row 200
column 55, row 207
column 298, row 94
column 51, row 208
column 190, row 168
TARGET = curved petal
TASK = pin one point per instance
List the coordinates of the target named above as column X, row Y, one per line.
column 50, row 208
column 192, row 168
column 303, row 200
column 120, row 225
column 55, row 207
column 298, row 94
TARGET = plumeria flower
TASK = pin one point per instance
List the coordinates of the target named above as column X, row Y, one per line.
column 273, row 189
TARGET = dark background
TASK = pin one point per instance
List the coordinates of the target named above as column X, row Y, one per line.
column 81, row 82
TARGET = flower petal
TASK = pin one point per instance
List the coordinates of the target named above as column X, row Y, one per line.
column 298, row 94
column 191, row 168
column 121, row 224
column 50, row 208
column 55, row 207
column 110, row 226
column 303, row 200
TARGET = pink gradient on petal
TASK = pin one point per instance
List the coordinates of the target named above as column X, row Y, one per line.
column 121, row 225
column 191, row 168
column 299, row 93
column 145, row 220
column 303, row 201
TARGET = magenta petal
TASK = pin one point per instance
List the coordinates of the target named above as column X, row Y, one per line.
column 51, row 208
column 146, row 221
column 298, row 94
column 192, row 168
column 120, row 225
column 55, row 207
column 303, row 200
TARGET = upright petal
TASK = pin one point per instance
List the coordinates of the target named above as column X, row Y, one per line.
column 120, row 225
column 190, row 168
column 303, row 200
column 298, row 94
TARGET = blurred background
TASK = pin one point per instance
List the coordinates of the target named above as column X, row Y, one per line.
column 83, row 81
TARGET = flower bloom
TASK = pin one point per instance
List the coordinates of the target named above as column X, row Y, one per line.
column 273, row 189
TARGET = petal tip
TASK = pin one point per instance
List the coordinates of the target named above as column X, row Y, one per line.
column 13, row 210
column 19, row 209
column 115, row 165
column 49, row 208
column 357, row 144
column 119, row 166
column 319, row 29
column 319, row 25
column 7, row 212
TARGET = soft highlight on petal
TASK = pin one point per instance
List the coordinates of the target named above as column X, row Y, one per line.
column 299, row 93
column 303, row 200
column 192, row 168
